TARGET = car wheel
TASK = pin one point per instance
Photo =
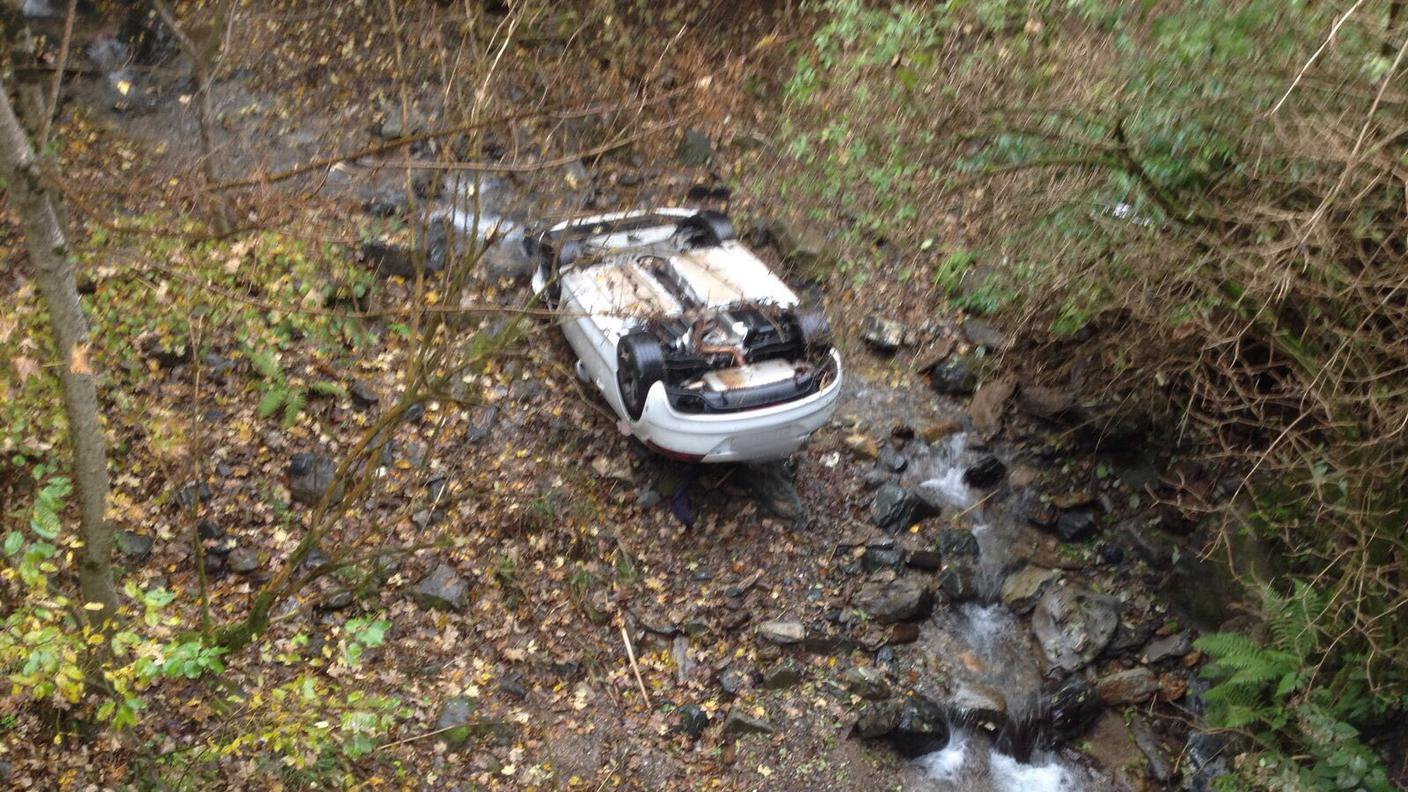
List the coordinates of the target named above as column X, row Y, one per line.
column 640, row 363
column 814, row 329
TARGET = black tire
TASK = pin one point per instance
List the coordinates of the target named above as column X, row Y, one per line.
column 814, row 329
column 640, row 363
column 707, row 229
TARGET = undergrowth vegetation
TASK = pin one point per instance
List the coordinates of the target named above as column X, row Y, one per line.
column 1213, row 193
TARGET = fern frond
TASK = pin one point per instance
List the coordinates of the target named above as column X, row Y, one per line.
column 266, row 365
column 294, row 405
column 271, row 401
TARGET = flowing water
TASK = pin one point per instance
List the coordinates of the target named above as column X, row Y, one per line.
column 999, row 660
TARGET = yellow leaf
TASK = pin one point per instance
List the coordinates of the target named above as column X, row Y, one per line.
column 78, row 360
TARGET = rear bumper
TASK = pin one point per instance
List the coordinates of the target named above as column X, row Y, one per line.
column 755, row 435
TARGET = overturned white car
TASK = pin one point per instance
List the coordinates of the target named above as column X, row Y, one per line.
column 699, row 348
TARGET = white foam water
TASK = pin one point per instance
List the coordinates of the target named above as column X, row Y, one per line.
column 960, row 764
column 1010, row 775
column 946, row 479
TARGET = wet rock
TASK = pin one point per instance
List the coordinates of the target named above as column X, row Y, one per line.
column 925, row 559
column 956, row 543
column 891, row 460
column 783, row 675
column 693, row 721
column 1032, row 507
column 959, row 580
column 243, row 560
column 934, row 432
column 876, row 558
column 922, row 726
column 364, row 396
column 1132, row 686
column 875, row 477
column 1167, row 648
column 867, row 682
column 442, row 589
column 1152, row 747
column 903, row 633
column 387, row 205
column 694, row 149
column 898, row 600
column 897, row 508
column 957, row 376
column 882, row 334
column 1148, row 544
column 738, row 724
column 877, row 719
column 1072, row 707
column 309, row 476
column 989, row 404
column 1076, row 525
column 976, row 703
column 1074, row 625
column 208, row 530
column 133, row 545
column 1022, row 589
column 783, row 633
column 986, row 473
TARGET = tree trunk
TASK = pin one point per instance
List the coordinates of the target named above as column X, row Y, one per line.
column 49, row 263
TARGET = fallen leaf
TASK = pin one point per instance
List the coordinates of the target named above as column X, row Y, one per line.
column 25, row 367
column 78, row 360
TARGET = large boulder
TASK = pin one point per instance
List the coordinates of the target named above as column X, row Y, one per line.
column 1022, row 588
column 1074, row 625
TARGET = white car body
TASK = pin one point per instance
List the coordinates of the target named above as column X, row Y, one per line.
column 632, row 273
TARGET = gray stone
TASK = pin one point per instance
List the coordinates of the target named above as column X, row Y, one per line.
column 981, row 333
column 876, row 558
column 1149, row 744
column 1076, row 525
column 867, row 682
column 956, row 543
column 693, row 721
column 1133, row 686
column 694, row 149
column 783, row 675
column 897, row 508
column 453, row 720
column 1021, row 589
column 133, row 545
column 899, row 600
column 958, row 580
column 309, row 476
column 243, row 560
column 882, row 334
column 442, row 589
column 1074, row 625
column 739, row 724
column 925, row 559
column 782, row 632
column 734, row 681
column 877, row 719
column 956, row 376
column 891, row 460
column 1167, row 648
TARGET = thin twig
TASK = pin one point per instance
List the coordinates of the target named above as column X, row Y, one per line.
column 631, row 653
